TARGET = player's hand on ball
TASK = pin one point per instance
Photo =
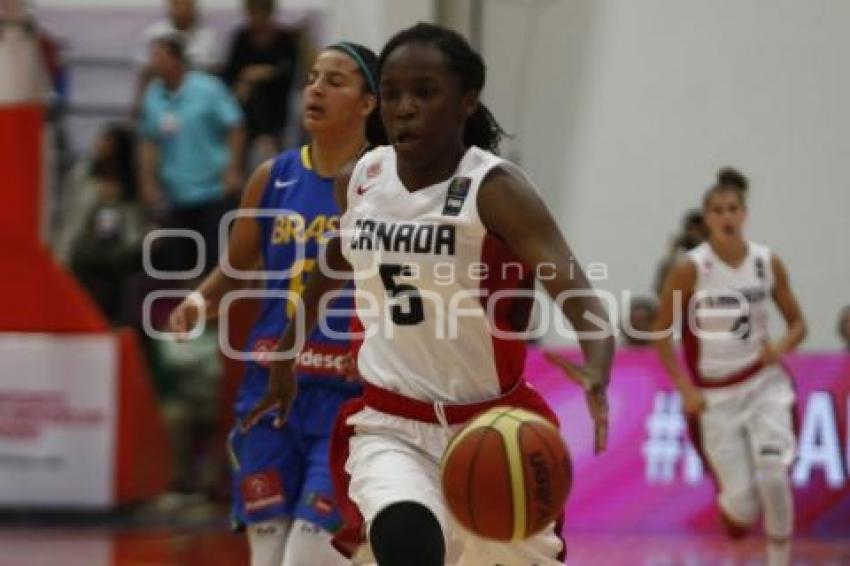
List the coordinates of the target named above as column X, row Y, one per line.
column 595, row 386
column 280, row 393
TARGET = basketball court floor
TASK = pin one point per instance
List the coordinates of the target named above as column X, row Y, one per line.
column 218, row 547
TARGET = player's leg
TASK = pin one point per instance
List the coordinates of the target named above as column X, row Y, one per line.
column 316, row 515
column 543, row 549
column 726, row 448
column 407, row 532
column 266, row 468
column 309, row 544
column 393, row 466
column 773, row 445
column 267, row 541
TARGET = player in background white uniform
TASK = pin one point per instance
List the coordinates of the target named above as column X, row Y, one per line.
column 735, row 389
column 437, row 202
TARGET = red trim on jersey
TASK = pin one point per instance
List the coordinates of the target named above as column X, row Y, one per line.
column 692, row 355
column 353, row 534
column 357, row 329
column 392, row 403
column 509, row 314
column 731, row 379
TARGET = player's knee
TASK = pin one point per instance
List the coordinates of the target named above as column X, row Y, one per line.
column 309, row 544
column 407, row 534
column 740, row 509
column 774, row 488
column 267, row 541
column 771, row 467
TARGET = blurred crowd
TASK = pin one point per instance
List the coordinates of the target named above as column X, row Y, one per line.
column 196, row 123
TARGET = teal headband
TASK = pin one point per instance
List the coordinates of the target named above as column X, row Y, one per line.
column 349, row 50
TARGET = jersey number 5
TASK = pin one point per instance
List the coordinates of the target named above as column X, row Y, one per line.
column 414, row 313
column 300, row 273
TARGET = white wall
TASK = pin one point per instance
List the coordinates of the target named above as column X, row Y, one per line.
column 370, row 22
column 625, row 110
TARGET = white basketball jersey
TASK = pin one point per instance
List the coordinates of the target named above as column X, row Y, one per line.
column 728, row 327
column 426, row 272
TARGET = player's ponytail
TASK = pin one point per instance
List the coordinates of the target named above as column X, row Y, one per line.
column 481, row 129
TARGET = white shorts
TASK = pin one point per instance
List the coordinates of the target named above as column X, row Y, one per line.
column 743, row 427
column 393, row 459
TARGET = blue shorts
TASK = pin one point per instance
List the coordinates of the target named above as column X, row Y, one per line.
column 283, row 473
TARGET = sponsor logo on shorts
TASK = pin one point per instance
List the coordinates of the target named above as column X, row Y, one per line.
column 323, row 359
column 262, row 490
column 321, row 505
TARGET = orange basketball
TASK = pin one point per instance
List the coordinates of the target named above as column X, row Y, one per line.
column 506, row 474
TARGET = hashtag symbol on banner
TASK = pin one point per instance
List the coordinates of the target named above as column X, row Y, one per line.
column 664, row 429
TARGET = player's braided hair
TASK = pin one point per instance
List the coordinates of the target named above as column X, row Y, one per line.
column 481, row 128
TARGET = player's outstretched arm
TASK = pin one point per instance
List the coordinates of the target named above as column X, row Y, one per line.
column 244, row 252
column 283, row 386
column 678, row 289
column 787, row 303
column 512, row 210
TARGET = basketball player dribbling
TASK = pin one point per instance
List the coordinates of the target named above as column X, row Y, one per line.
column 282, row 490
column 435, row 201
column 735, row 389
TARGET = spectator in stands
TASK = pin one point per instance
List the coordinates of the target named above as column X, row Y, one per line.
column 844, row 327
column 111, row 159
column 691, row 234
column 260, row 69
column 105, row 224
column 640, row 321
column 202, row 46
column 192, row 140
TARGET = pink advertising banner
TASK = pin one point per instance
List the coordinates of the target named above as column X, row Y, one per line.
column 652, row 480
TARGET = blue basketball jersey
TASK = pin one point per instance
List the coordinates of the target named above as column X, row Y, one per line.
column 304, row 216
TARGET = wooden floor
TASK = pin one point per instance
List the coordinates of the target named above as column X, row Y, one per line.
column 95, row 547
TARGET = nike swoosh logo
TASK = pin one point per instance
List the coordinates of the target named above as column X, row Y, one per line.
column 278, row 184
column 361, row 190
